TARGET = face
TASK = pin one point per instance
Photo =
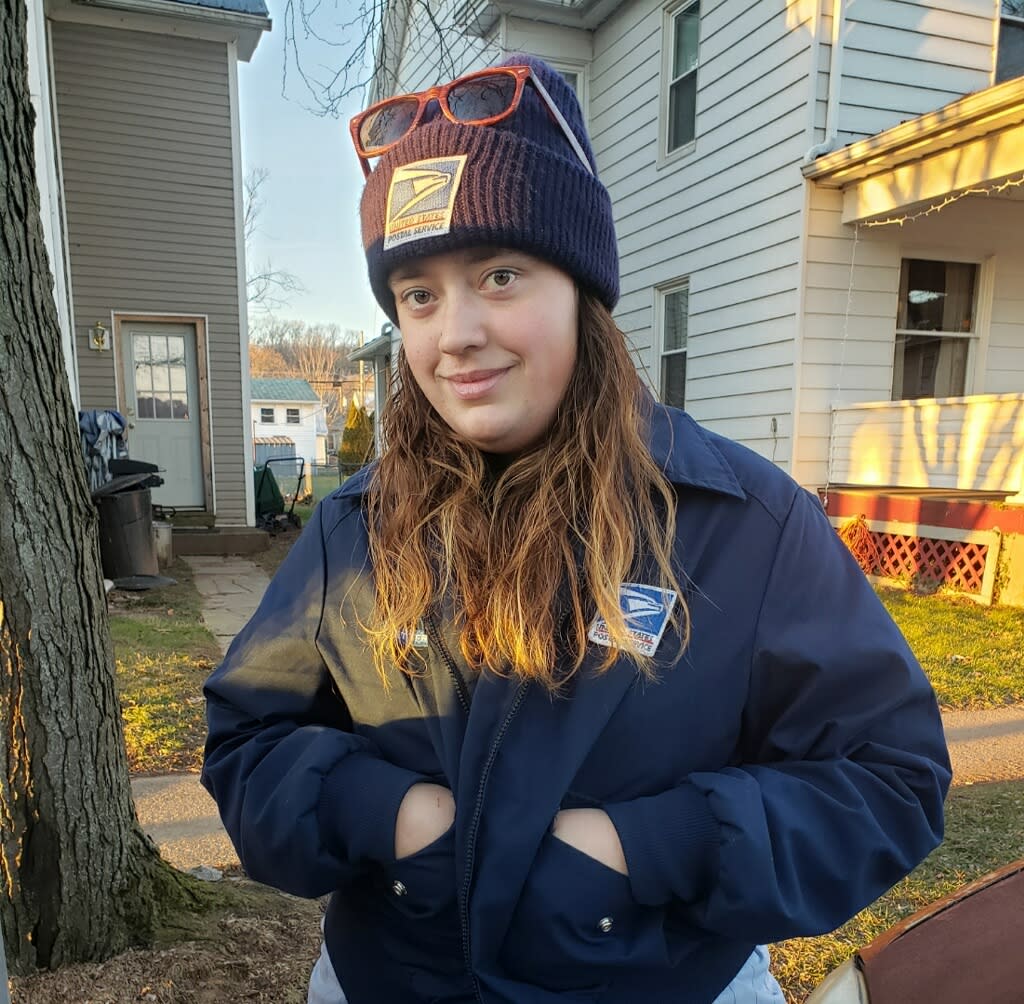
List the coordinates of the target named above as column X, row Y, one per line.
column 490, row 337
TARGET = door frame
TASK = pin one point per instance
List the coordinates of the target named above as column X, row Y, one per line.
column 199, row 322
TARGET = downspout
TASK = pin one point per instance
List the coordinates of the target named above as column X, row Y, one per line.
column 835, row 79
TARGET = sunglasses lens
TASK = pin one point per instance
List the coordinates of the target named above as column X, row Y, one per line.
column 482, row 98
column 387, row 125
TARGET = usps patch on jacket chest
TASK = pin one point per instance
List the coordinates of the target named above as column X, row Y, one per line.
column 646, row 610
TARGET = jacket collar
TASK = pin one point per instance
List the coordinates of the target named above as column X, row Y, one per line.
column 688, row 454
column 679, row 446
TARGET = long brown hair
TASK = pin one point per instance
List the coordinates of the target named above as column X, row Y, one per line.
column 530, row 554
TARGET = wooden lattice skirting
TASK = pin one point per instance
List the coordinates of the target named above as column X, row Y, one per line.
column 941, row 556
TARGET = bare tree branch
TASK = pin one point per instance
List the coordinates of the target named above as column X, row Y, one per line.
column 266, row 287
column 360, row 49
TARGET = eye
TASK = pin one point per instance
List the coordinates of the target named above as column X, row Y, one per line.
column 415, row 298
column 501, row 278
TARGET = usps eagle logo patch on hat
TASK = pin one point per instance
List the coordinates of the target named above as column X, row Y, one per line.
column 421, row 199
column 646, row 610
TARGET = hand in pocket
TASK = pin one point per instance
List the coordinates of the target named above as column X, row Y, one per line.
column 426, row 812
column 591, row 832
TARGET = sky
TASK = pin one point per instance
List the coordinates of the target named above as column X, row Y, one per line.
column 309, row 223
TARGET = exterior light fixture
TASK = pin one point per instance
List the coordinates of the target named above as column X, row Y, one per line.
column 99, row 337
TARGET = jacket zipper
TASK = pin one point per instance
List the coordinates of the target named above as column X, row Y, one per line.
column 461, row 690
column 474, row 827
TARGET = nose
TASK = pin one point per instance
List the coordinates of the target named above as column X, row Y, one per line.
column 463, row 326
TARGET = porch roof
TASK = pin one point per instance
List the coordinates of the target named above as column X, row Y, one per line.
column 976, row 142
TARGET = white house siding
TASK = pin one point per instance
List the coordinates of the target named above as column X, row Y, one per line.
column 902, row 59
column 727, row 215
column 303, row 434
column 858, row 368
column 145, row 132
column 430, row 57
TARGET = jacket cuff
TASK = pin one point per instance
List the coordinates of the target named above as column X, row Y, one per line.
column 359, row 803
column 670, row 842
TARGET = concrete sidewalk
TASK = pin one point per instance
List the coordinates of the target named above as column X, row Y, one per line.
column 175, row 809
column 180, row 816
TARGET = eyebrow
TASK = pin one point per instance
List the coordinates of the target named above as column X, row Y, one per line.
column 470, row 256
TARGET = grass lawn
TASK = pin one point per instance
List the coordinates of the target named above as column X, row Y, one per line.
column 984, row 830
column 163, row 654
column 973, row 655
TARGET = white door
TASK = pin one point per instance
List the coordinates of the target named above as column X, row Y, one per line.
column 162, row 407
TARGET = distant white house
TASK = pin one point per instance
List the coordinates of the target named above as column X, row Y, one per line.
column 287, row 421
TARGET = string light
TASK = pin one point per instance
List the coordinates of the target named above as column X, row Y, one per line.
column 1016, row 181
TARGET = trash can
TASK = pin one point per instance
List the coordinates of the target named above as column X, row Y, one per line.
column 127, row 543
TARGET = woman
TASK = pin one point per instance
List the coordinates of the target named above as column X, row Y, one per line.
column 566, row 699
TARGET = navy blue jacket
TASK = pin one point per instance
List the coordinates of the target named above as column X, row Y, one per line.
column 785, row 772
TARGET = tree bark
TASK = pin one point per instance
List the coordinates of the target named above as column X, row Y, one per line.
column 78, row 878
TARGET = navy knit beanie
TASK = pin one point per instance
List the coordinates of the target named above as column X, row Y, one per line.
column 517, row 184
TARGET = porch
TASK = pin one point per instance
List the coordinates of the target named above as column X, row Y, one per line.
column 940, row 484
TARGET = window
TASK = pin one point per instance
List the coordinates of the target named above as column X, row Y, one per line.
column 934, row 328
column 674, row 309
column 292, row 416
column 267, row 416
column 161, row 381
column 1010, row 56
column 682, row 36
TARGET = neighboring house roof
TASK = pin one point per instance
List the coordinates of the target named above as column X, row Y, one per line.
column 281, row 389
column 256, row 7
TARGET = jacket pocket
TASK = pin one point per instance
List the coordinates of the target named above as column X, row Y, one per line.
column 422, row 885
column 576, row 923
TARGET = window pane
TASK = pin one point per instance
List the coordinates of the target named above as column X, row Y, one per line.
column 179, row 405
column 293, row 416
column 1010, row 55
column 178, row 379
column 267, row 415
column 176, row 350
column 676, row 314
column 140, row 348
column 682, row 111
column 163, row 405
column 158, row 347
column 1014, row 7
column 144, row 406
column 936, row 296
column 673, row 380
column 572, row 79
column 143, row 376
column 686, row 25
column 929, row 366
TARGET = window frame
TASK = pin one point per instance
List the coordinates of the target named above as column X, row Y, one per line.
column 263, row 415
column 581, row 69
column 668, row 41
column 661, row 296
column 977, row 339
column 1016, row 19
column 288, row 420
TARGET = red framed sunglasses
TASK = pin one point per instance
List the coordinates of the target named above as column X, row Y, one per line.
column 477, row 99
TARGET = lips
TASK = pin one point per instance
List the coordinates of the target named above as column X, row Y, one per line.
column 476, row 384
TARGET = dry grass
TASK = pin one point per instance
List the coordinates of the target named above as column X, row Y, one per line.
column 257, row 948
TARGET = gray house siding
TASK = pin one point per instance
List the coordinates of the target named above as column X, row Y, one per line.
column 146, row 145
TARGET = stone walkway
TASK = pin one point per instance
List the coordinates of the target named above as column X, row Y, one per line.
column 182, row 818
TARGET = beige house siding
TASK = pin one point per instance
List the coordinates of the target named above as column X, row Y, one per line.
column 856, row 367
column 145, row 133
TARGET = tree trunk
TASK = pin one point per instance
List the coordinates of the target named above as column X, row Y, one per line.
column 78, row 878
